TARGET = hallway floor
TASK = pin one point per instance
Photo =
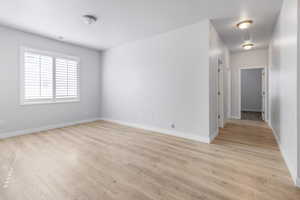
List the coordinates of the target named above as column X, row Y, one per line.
column 103, row 160
column 255, row 116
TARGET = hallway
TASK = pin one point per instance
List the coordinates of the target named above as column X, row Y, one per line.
column 257, row 158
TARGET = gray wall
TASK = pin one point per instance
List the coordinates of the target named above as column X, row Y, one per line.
column 251, row 90
column 13, row 116
column 160, row 81
column 253, row 58
column 283, row 84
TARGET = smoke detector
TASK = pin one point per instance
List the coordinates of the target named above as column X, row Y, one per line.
column 89, row 19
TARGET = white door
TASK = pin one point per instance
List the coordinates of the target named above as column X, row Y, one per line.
column 263, row 84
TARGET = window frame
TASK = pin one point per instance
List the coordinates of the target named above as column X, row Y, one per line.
column 54, row 56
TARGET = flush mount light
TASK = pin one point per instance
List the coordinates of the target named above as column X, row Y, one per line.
column 244, row 24
column 89, row 19
column 248, row 46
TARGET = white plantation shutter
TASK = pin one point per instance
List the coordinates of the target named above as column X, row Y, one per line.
column 48, row 78
column 66, row 78
column 38, row 76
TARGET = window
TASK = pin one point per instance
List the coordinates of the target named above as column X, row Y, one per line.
column 48, row 77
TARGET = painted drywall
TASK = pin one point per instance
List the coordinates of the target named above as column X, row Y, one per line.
column 283, row 84
column 298, row 86
column 254, row 58
column 217, row 52
column 13, row 116
column 160, row 81
column 251, row 90
column 227, row 85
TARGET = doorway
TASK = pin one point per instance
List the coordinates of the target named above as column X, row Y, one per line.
column 252, row 93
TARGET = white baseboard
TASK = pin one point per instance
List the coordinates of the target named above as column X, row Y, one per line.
column 44, row 128
column 191, row 136
column 235, row 117
column 251, row 110
column 291, row 168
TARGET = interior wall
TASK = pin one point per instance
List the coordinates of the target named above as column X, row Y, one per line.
column 253, row 58
column 283, row 83
column 160, row 83
column 251, row 90
column 217, row 51
column 13, row 116
column 227, row 85
column 298, row 86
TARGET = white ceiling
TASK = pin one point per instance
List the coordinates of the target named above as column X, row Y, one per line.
column 122, row 21
column 260, row 32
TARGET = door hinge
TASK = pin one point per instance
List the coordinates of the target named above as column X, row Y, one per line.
column 219, row 70
column 219, row 117
column 219, row 93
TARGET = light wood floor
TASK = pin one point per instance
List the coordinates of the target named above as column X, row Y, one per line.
column 105, row 161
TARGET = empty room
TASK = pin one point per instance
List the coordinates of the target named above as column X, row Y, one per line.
column 149, row 100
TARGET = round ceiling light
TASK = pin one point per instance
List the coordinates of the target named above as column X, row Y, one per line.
column 248, row 46
column 244, row 24
column 89, row 19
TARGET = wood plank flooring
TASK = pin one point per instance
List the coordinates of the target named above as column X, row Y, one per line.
column 106, row 161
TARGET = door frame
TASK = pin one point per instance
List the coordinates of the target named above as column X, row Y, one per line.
column 220, row 92
column 265, row 93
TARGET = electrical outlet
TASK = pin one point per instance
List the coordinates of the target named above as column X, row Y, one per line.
column 172, row 125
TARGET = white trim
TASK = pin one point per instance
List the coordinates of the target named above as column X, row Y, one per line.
column 220, row 88
column 44, row 128
column 57, row 101
column 291, row 168
column 54, row 99
column 251, row 110
column 235, row 117
column 240, row 88
column 191, row 136
column 50, row 53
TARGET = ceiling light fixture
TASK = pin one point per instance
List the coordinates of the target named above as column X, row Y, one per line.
column 248, row 46
column 89, row 19
column 244, row 24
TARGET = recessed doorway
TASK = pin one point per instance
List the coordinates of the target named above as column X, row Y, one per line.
column 252, row 93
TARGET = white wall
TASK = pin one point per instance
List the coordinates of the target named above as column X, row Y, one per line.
column 15, row 117
column 227, row 85
column 160, row 81
column 217, row 51
column 253, row 58
column 283, row 83
column 251, row 90
column 298, row 85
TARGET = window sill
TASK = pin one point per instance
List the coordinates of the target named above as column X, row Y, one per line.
column 27, row 103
